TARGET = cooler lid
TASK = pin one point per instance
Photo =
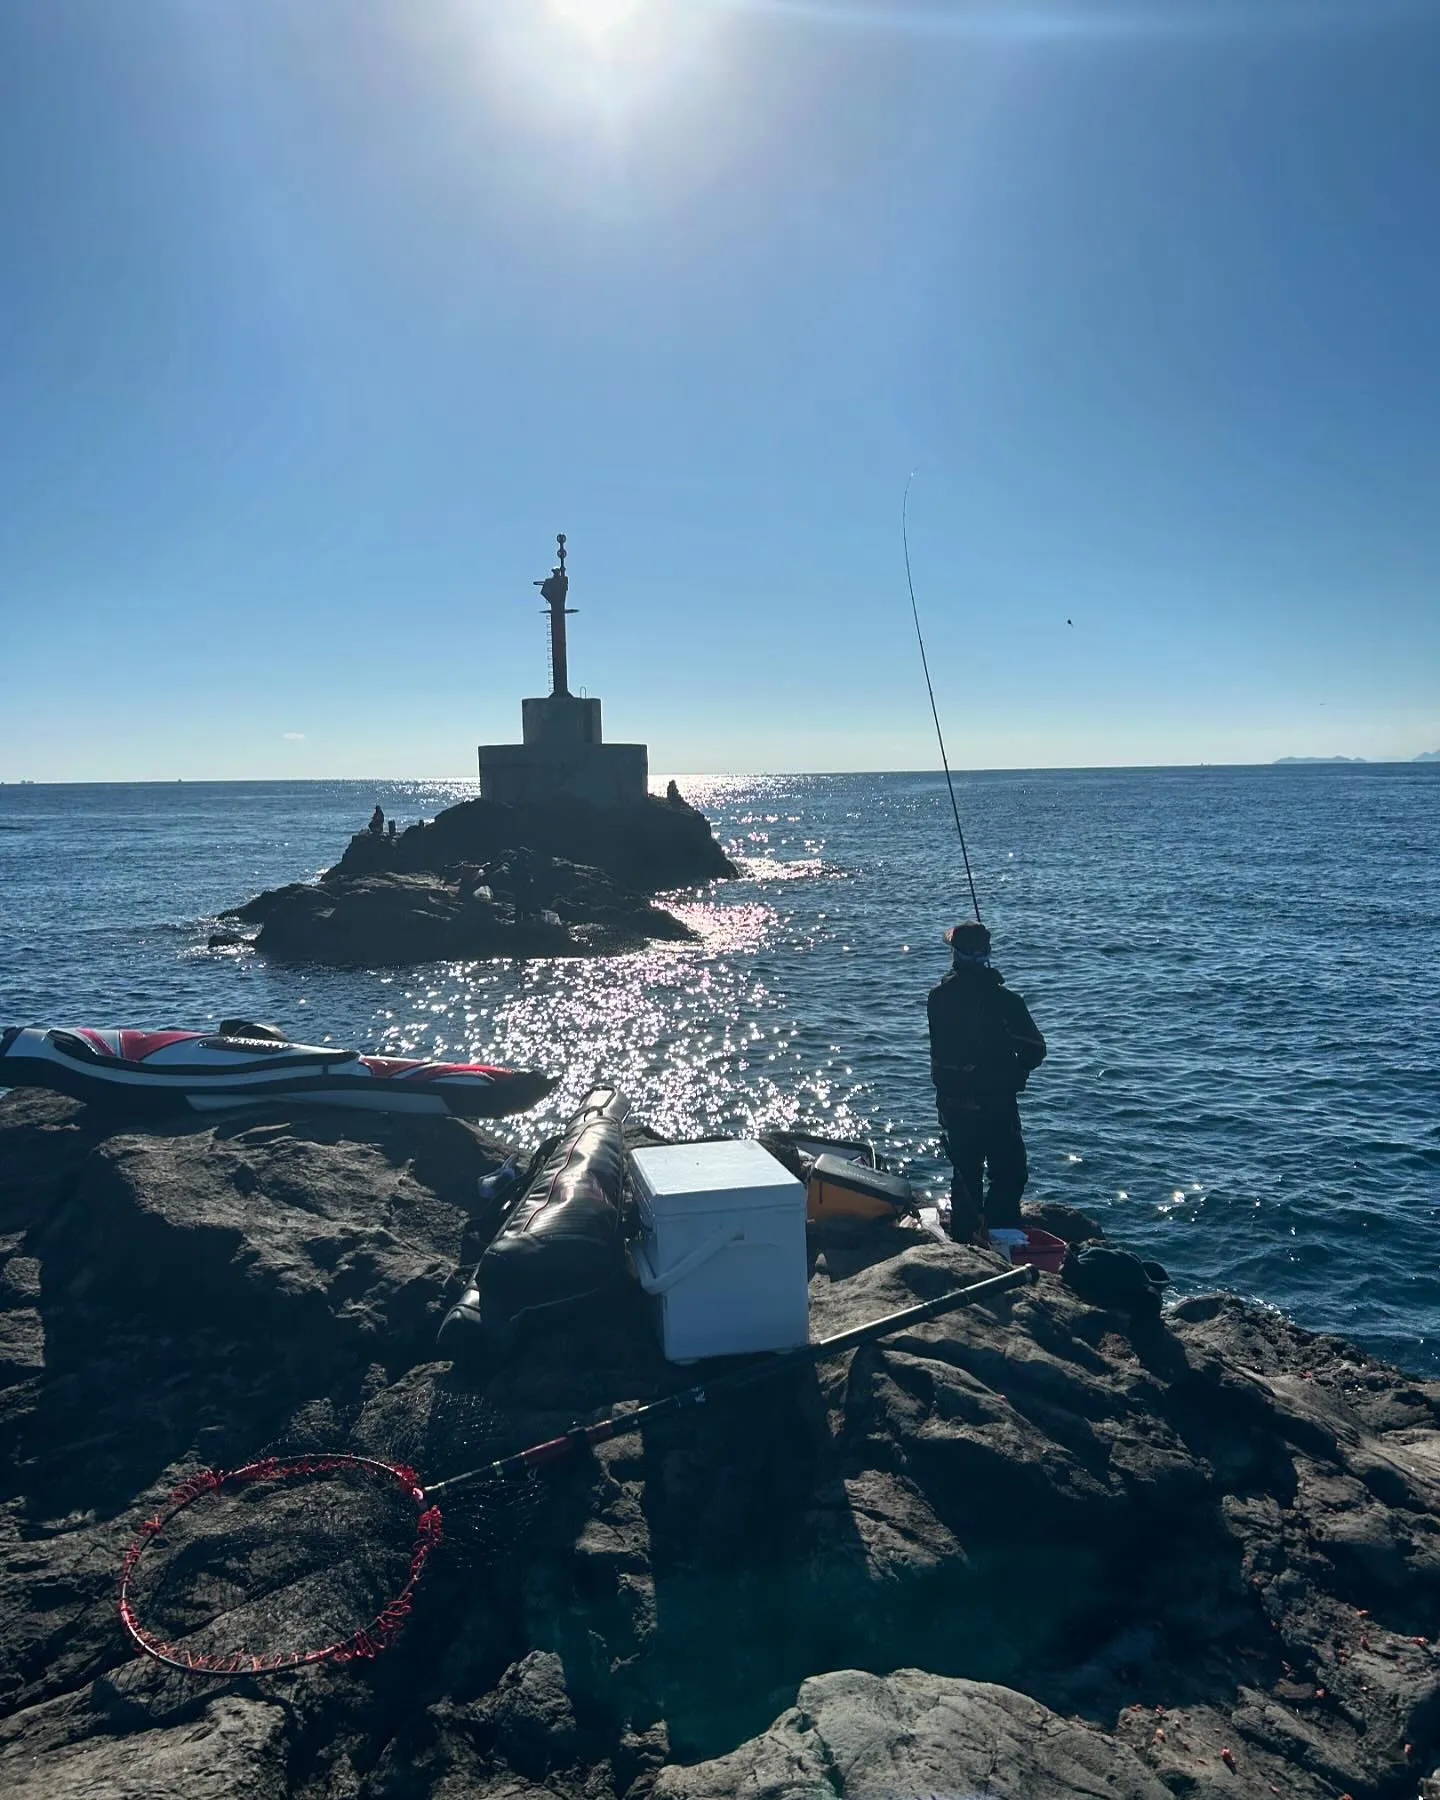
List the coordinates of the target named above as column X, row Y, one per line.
column 736, row 1172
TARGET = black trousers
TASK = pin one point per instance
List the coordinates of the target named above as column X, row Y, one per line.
column 981, row 1137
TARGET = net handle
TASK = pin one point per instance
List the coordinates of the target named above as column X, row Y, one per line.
column 582, row 1437
column 381, row 1631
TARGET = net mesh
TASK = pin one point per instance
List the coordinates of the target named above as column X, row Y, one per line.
column 305, row 1555
column 279, row 1564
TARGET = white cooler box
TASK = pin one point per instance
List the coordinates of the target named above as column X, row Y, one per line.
column 723, row 1248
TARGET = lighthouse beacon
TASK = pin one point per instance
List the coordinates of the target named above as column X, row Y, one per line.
column 563, row 756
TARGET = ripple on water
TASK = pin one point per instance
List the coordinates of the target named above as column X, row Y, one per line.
column 1241, row 1078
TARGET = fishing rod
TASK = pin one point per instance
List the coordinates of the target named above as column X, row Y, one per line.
column 930, row 689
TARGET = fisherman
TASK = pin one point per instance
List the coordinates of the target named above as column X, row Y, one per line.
column 983, row 1046
column 522, row 883
column 377, row 820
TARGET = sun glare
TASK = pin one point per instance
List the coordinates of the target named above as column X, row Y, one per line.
column 596, row 15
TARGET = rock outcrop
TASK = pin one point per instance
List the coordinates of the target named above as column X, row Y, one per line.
column 650, row 847
column 390, row 919
column 913, row 1733
column 1023, row 1550
column 482, row 880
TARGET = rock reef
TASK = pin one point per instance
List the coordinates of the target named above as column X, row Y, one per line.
column 650, row 846
column 484, row 880
column 1028, row 1550
column 394, row 919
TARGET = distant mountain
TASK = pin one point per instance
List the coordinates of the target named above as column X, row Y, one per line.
column 1424, row 756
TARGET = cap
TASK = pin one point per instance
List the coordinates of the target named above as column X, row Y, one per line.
column 969, row 938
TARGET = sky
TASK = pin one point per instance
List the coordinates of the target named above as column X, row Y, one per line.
column 319, row 319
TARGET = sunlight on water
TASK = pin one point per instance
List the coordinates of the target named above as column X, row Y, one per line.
column 1240, row 1078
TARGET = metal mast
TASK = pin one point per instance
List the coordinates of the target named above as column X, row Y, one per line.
column 553, row 591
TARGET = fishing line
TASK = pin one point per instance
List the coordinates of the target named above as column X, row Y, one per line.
column 930, row 689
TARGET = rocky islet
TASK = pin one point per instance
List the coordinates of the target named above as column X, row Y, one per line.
column 484, row 879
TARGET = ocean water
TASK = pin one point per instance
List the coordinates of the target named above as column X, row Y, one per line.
column 1235, row 969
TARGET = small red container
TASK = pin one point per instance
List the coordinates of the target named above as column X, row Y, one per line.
column 1039, row 1248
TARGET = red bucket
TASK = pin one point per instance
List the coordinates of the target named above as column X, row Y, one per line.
column 1041, row 1249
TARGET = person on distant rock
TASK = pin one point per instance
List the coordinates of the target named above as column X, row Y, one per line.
column 390, row 828
column 522, row 883
column 983, row 1047
column 377, row 821
column 673, row 794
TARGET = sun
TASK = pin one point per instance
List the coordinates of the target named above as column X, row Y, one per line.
column 596, row 15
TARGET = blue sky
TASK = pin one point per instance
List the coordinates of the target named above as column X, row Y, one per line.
column 318, row 320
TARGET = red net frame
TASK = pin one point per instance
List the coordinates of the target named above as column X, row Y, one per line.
column 368, row 1641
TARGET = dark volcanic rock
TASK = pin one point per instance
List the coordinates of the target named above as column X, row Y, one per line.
column 390, row 918
column 652, row 846
column 1200, row 1558
column 1065, row 1222
column 473, row 881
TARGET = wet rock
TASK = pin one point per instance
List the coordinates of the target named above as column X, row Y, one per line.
column 1067, row 1223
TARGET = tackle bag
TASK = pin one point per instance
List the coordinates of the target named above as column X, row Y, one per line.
column 1114, row 1279
column 840, row 1189
column 562, row 1242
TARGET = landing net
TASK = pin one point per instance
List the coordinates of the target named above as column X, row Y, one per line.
column 277, row 1565
column 298, row 1559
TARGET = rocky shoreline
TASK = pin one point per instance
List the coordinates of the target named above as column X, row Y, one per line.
column 483, row 880
column 1026, row 1550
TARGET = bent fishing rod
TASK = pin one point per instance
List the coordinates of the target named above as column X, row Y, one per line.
column 930, row 689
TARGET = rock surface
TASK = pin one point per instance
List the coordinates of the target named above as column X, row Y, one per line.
column 650, row 847
column 389, row 918
column 1021, row 1550
column 872, row 1737
column 476, row 880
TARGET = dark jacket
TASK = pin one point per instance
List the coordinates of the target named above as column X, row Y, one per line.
column 983, row 1042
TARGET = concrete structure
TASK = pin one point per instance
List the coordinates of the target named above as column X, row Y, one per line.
column 563, row 756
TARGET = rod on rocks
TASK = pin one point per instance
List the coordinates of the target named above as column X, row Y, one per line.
column 224, row 1501
column 621, row 1424
column 930, row 689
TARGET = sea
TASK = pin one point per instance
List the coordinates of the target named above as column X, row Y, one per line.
column 1235, row 970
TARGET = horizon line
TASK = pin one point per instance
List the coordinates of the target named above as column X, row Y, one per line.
column 1373, row 762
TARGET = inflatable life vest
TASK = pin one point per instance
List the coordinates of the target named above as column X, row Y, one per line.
column 562, row 1243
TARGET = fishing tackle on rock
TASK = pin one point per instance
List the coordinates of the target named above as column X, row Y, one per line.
column 930, row 689
column 228, row 1577
column 562, row 1244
